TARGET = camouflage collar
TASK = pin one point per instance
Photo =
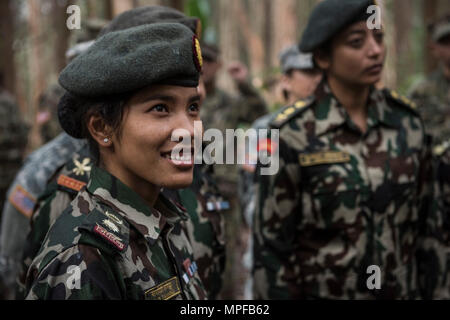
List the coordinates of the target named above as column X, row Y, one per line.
column 147, row 220
column 380, row 112
column 330, row 114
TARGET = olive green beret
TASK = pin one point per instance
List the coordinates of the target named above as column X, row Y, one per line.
column 292, row 59
column 328, row 18
column 151, row 14
column 131, row 59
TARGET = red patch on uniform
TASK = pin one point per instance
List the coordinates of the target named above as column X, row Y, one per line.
column 108, row 236
column 267, row 145
column 70, row 183
column 187, row 264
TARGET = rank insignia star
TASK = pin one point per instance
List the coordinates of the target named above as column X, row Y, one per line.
column 82, row 167
column 110, row 225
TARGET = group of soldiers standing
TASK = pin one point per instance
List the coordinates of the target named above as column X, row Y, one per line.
column 363, row 179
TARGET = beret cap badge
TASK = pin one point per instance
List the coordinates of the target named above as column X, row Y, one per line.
column 198, row 59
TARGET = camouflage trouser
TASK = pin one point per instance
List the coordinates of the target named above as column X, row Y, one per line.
column 236, row 245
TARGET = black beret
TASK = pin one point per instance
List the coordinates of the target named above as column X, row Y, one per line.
column 151, row 14
column 131, row 59
column 328, row 18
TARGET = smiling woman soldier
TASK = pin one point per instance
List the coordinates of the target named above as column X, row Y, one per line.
column 120, row 238
column 347, row 199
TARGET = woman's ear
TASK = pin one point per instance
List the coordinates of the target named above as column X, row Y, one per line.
column 99, row 130
column 322, row 59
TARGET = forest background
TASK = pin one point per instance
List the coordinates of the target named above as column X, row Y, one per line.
column 34, row 39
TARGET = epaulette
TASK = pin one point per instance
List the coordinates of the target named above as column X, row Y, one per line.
column 76, row 172
column 401, row 100
column 289, row 112
column 441, row 148
column 104, row 226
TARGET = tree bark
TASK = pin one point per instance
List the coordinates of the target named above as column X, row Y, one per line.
column 119, row 6
column 62, row 34
column 429, row 16
column 177, row 4
column 6, row 46
column 36, row 75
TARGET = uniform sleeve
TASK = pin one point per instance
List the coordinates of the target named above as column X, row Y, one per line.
column 78, row 273
column 41, row 220
column 433, row 241
column 278, row 209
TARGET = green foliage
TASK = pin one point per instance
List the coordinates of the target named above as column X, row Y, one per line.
column 202, row 10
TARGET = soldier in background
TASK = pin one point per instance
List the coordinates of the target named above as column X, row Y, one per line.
column 354, row 182
column 13, row 141
column 432, row 95
column 299, row 80
column 47, row 118
column 223, row 111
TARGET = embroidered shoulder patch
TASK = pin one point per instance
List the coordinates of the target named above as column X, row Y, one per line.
column 70, row 183
column 110, row 237
column 165, row 290
column 323, row 157
column 395, row 95
column 22, row 201
column 441, row 148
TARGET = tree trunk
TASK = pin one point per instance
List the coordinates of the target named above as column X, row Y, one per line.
column 228, row 39
column 429, row 16
column 36, row 75
column 119, row 6
column 177, row 4
column 6, row 46
column 62, row 35
column 284, row 32
column 253, row 42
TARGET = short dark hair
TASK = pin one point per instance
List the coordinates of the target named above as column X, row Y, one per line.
column 110, row 108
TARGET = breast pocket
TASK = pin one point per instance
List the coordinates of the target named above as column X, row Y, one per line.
column 331, row 188
column 400, row 188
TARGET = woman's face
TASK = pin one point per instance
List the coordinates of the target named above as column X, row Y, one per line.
column 141, row 153
column 357, row 55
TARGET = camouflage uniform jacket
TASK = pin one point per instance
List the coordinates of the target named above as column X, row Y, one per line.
column 341, row 201
column 109, row 244
column 204, row 228
column 432, row 97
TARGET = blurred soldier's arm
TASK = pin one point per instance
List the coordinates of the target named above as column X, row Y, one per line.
column 250, row 105
column 278, row 210
column 433, row 242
